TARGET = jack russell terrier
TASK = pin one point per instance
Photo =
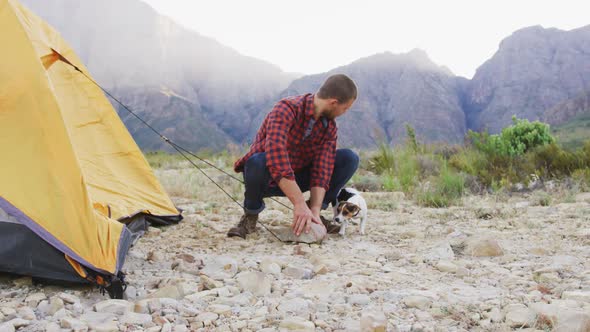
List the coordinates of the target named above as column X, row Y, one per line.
column 351, row 205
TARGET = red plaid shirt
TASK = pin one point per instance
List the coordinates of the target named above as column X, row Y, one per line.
column 288, row 149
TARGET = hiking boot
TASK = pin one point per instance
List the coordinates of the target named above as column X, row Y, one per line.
column 246, row 226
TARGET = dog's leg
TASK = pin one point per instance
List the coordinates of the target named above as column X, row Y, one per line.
column 363, row 221
column 343, row 227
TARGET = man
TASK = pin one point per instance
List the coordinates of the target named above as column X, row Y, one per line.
column 295, row 151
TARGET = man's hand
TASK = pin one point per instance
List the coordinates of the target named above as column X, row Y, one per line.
column 302, row 219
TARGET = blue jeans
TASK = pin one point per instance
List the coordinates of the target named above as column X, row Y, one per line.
column 257, row 178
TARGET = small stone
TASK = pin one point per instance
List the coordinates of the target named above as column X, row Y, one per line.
column 221, row 268
column 417, row 301
column 220, row 309
column 6, row 327
column 180, row 328
column 207, row 317
column 134, row 318
column 23, row 282
column 446, row 266
column 50, row 327
column 19, row 322
column 373, row 322
column 208, row 283
column 441, row 251
column 130, row 293
column 270, row 267
column 100, row 321
column 55, row 305
column 297, row 324
column 26, row 313
column 359, row 299
column 69, row 298
column 73, row 324
column 170, row 291
column 257, row 283
column 118, row 307
column 297, row 272
column 575, row 322
column 582, row 296
column 33, row 299
column 483, row 247
column 155, row 256
column 295, row 306
column 519, row 316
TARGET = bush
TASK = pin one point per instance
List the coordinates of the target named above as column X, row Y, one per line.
column 383, row 161
column 443, row 191
column 514, row 140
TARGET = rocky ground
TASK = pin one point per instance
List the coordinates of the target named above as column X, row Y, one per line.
column 488, row 265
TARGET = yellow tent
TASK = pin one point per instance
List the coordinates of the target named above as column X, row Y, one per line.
column 71, row 175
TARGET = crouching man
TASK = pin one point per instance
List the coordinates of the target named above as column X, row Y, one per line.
column 295, row 151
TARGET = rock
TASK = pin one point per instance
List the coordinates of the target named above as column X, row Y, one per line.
column 582, row 296
column 180, row 328
column 208, row 283
column 26, row 313
column 316, row 235
column 130, row 293
column 155, row 256
column 496, row 315
column 359, row 299
column 118, row 307
column 446, row 266
column 483, row 247
column 103, row 321
column 297, row 306
column 441, row 251
column 575, row 322
column 207, row 317
column 6, row 327
column 373, row 322
column 170, row 291
column 220, row 309
column 297, row 272
column 257, row 283
column 270, row 267
column 23, row 282
column 69, row 298
column 221, row 268
column 55, row 305
column 417, row 301
column 318, row 289
column 50, row 327
column 19, row 322
column 133, row 318
column 519, row 316
column 297, row 324
column 33, row 299
column 73, row 324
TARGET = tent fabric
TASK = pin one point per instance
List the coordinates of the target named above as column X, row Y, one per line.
column 72, row 170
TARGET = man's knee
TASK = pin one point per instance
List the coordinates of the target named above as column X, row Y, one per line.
column 256, row 162
column 347, row 157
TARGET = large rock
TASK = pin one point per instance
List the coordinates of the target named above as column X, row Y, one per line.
column 257, row 283
column 583, row 296
column 134, row 318
column 316, row 234
column 296, row 306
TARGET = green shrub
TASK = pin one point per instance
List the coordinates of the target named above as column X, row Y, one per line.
column 514, row 140
column 383, row 161
column 444, row 190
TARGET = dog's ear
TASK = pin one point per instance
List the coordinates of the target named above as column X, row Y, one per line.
column 352, row 209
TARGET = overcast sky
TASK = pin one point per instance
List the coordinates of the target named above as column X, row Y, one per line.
column 312, row 36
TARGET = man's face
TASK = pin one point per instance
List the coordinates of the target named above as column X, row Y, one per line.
column 337, row 109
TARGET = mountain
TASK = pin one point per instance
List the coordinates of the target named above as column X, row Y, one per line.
column 203, row 94
column 196, row 89
column 394, row 89
column 533, row 70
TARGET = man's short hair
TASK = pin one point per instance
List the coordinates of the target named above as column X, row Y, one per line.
column 338, row 86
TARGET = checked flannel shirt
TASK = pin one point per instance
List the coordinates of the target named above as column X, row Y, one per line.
column 293, row 140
